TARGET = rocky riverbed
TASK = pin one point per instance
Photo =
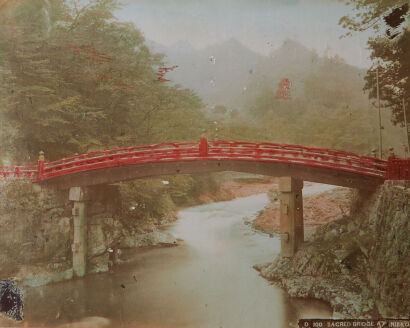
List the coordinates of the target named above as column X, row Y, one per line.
column 358, row 263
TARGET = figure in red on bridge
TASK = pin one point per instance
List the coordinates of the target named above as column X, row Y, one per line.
column 284, row 89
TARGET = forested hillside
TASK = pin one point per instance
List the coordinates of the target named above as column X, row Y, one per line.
column 328, row 107
column 74, row 79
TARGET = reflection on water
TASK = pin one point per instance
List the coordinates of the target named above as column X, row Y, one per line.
column 207, row 282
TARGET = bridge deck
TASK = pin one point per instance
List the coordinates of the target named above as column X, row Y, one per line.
column 296, row 159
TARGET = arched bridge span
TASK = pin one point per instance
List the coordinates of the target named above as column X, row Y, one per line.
column 109, row 166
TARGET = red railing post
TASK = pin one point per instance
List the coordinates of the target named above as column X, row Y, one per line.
column 203, row 146
column 176, row 151
column 258, row 151
column 40, row 165
column 17, row 171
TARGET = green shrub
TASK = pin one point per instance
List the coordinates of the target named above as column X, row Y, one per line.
column 151, row 199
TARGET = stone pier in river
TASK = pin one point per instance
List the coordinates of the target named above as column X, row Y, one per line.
column 291, row 215
column 80, row 197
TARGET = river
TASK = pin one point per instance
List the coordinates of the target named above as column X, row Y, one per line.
column 208, row 281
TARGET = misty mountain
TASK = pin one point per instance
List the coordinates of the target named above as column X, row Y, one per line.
column 218, row 73
column 292, row 61
column 230, row 74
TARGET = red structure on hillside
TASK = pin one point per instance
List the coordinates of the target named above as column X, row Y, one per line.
column 284, row 89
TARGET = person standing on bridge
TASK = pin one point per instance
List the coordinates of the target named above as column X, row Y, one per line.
column 391, row 153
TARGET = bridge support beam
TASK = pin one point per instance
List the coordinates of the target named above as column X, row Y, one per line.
column 80, row 197
column 291, row 215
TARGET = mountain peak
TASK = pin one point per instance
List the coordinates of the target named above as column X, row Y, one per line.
column 291, row 45
column 292, row 50
column 232, row 47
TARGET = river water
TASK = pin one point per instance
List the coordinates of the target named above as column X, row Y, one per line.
column 208, row 281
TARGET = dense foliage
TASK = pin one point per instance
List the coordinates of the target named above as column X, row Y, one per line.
column 390, row 46
column 328, row 110
column 74, row 79
column 153, row 199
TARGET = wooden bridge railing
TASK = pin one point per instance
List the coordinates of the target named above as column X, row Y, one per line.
column 212, row 150
column 19, row 172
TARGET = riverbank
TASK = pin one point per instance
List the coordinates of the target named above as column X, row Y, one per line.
column 358, row 263
column 236, row 187
column 37, row 232
column 38, row 252
column 319, row 207
column 322, row 204
column 37, row 227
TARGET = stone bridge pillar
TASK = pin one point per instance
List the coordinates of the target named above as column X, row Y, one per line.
column 79, row 196
column 291, row 215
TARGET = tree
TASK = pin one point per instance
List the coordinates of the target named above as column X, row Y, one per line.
column 369, row 14
column 394, row 67
column 74, row 79
column 389, row 50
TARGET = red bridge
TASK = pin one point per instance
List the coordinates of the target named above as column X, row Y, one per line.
column 311, row 164
column 292, row 163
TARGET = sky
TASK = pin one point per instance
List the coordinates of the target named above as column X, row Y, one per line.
column 261, row 25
